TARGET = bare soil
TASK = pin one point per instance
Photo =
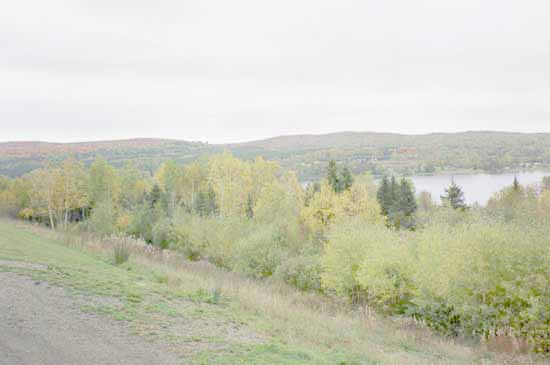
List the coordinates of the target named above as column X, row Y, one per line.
column 41, row 324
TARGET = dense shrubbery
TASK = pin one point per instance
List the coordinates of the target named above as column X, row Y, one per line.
column 475, row 272
column 477, row 278
column 260, row 253
column 492, row 277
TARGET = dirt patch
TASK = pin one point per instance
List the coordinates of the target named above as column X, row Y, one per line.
column 41, row 324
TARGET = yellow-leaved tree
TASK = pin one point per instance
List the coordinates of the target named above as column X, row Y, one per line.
column 73, row 179
column 169, row 177
column 231, row 180
column 326, row 206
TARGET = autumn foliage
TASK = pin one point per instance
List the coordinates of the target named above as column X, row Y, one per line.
column 477, row 272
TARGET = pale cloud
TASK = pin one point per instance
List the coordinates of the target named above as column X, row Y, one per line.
column 227, row 71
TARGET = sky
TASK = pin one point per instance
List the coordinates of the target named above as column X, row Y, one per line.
column 229, row 71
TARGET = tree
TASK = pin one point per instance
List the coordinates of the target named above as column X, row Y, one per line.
column 205, row 203
column 135, row 186
column 384, row 196
column 7, row 198
column 103, row 218
column 169, row 178
column 339, row 180
column 512, row 202
column 359, row 201
column 407, row 201
column 72, row 188
column 15, row 197
column 394, row 190
column 320, row 210
column 45, row 192
column 454, row 197
column 195, row 178
column 103, row 183
column 402, row 212
column 279, row 205
column 155, row 196
column 516, row 186
column 346, row 179
column 332, row 176
column 231, row 180
column 326, row 206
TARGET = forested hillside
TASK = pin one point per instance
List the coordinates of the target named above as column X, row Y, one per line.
column 383, row 153
column 18, row 158
column 379, row 153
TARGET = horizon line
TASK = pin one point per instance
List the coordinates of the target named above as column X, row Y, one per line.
column 265, row 138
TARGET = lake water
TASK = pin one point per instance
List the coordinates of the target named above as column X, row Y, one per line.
column 477, row 187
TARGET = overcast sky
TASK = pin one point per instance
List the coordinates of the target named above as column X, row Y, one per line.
column 224, row 71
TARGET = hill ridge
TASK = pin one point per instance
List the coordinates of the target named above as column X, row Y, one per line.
column 307, row 154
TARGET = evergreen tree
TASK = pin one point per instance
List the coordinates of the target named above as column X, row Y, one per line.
column 516, row 186
column 401, row 213
column 205, row 203
column 397, row 202
column 346, row 179
column 384, row 196
column 394, row 191
column 454, row 196
column 332, row 176
column 407, row 200
column 155, row 195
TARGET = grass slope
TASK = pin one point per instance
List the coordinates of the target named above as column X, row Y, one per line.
column 208, row 316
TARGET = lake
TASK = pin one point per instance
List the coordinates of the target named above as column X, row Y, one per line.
column 477, row 187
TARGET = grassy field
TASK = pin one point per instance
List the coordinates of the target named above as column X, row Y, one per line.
column 208, row 316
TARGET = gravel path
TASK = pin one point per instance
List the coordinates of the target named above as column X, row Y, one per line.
column 41, row 324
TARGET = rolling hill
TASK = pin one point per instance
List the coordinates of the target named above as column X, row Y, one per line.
column 378, row 153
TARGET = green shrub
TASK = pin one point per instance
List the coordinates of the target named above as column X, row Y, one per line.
column 211, row 238
column 141, row 223
column 102, row 220
column 437, row 315
column 260, row 253
column 367, row 262
column 163, row 234
column 494, row 276
column 302, row 271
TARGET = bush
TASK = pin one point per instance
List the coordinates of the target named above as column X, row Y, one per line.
column 260, row 253
column 366, row 263
column 103, row 219
column 211, row 238
column 303, row 270
column 163, row 234
column 141, row 223
column 494, row 277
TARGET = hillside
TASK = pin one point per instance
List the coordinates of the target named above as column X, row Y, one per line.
column 378, row 153
column 189, row 311
column 17, row 158
column 407, row 154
